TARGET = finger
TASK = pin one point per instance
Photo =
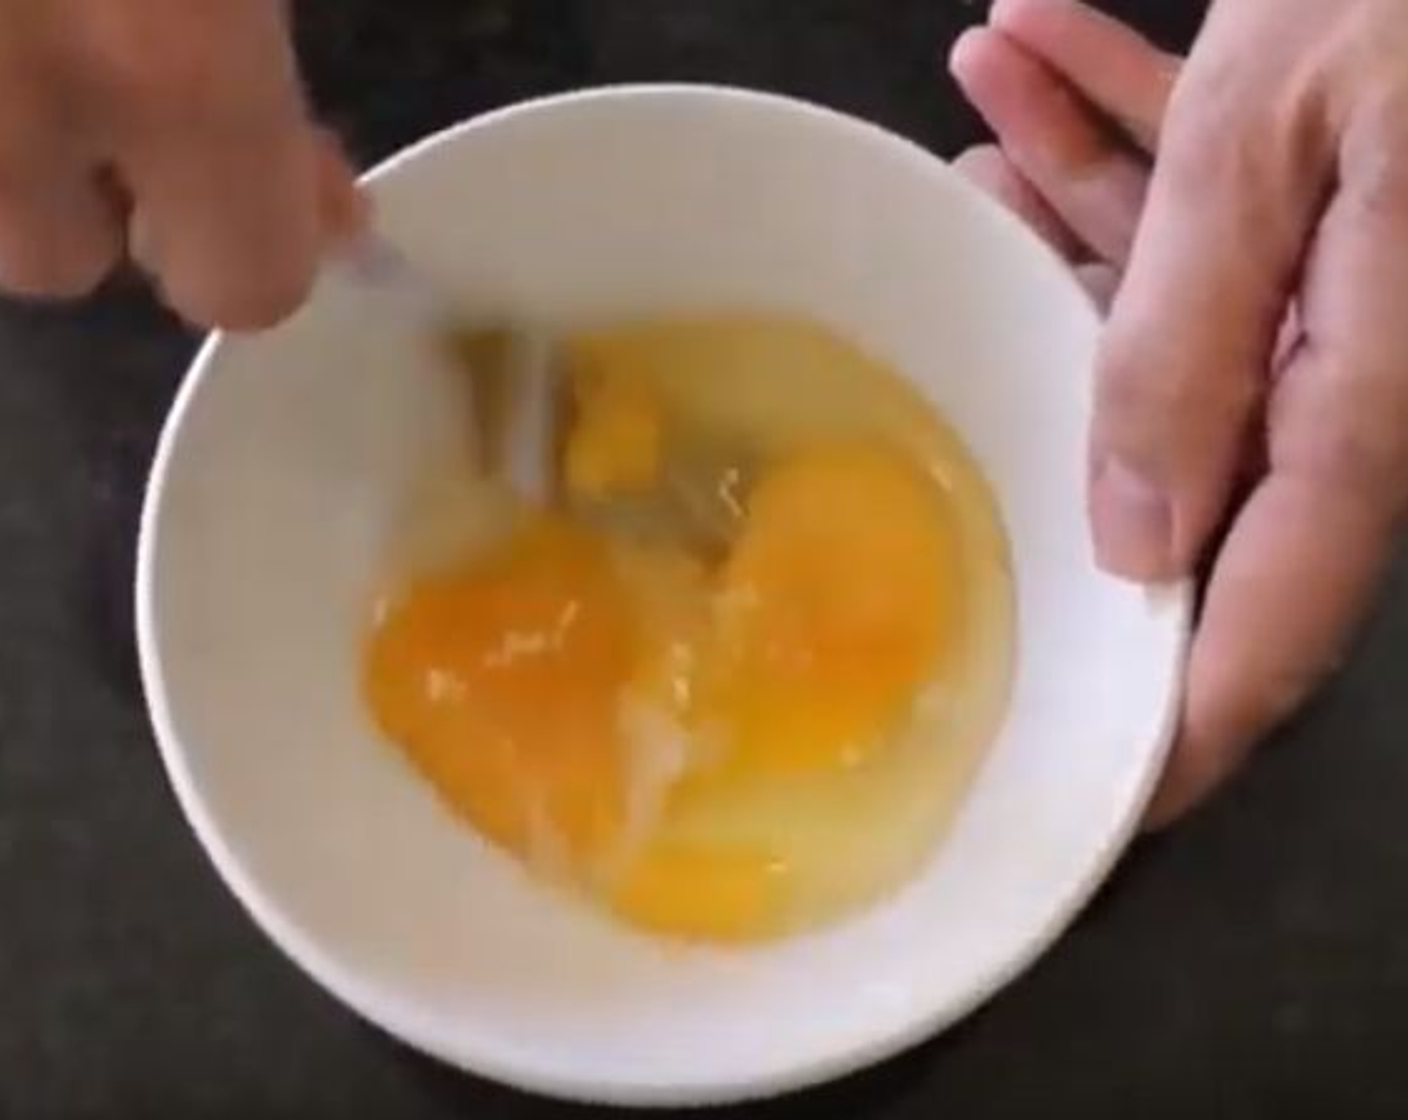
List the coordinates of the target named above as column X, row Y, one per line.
column 1087, row 177
column 1291, row 583
column 229, row 189
column 1108, row 63
column 1309, row 549
column 1183, row 365
column 59, row 240
column 988, row 168
column 240, row 258
column 345, row 211
column 60, row 232
column 992, row 171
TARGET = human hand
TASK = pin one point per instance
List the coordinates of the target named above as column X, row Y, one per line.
column 1254, row 372
column 173, row 130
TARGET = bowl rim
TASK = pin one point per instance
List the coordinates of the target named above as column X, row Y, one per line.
column 479, row 1056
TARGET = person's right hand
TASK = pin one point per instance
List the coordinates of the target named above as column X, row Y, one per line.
column 173, row 131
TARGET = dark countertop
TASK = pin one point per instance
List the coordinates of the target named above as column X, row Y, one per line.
column 1254, row 964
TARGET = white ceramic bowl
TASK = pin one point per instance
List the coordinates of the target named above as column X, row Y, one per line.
column 288, row 456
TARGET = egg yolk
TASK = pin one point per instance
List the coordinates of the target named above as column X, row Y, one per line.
column 509, row 679
column 718, row 894
column 835, row 608
column 500, row 680
column 615, row 443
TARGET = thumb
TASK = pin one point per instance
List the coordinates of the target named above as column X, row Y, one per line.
column 1183, row 366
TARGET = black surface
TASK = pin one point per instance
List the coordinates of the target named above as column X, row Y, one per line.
column 1254, row 964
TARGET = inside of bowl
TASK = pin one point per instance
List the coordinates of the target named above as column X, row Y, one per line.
column 291, row 457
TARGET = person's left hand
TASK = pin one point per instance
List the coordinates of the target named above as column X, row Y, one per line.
column 1076, row 101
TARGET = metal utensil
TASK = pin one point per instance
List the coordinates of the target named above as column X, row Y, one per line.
column 519, row 414
column 510, row 370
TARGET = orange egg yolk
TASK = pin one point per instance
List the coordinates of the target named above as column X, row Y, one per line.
column 835, row 608
column 505, row 678
column 616, row 441
column 500, row 679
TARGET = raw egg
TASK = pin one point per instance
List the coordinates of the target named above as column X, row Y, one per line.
column 726, row 743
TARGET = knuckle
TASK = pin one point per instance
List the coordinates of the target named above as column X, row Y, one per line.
column 1206, row 149
column 1231, row 134
column 1206, row 119
column 51, row 259
column 1189, row 163
column 146, row 57
column 39, row 276
column 189, row 64
column 1349, row 438
column 259, row 302
column 1164, row 390
column 1375, row 179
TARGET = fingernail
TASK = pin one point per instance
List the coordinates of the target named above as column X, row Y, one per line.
column 961, row 52
column 1133, row 523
